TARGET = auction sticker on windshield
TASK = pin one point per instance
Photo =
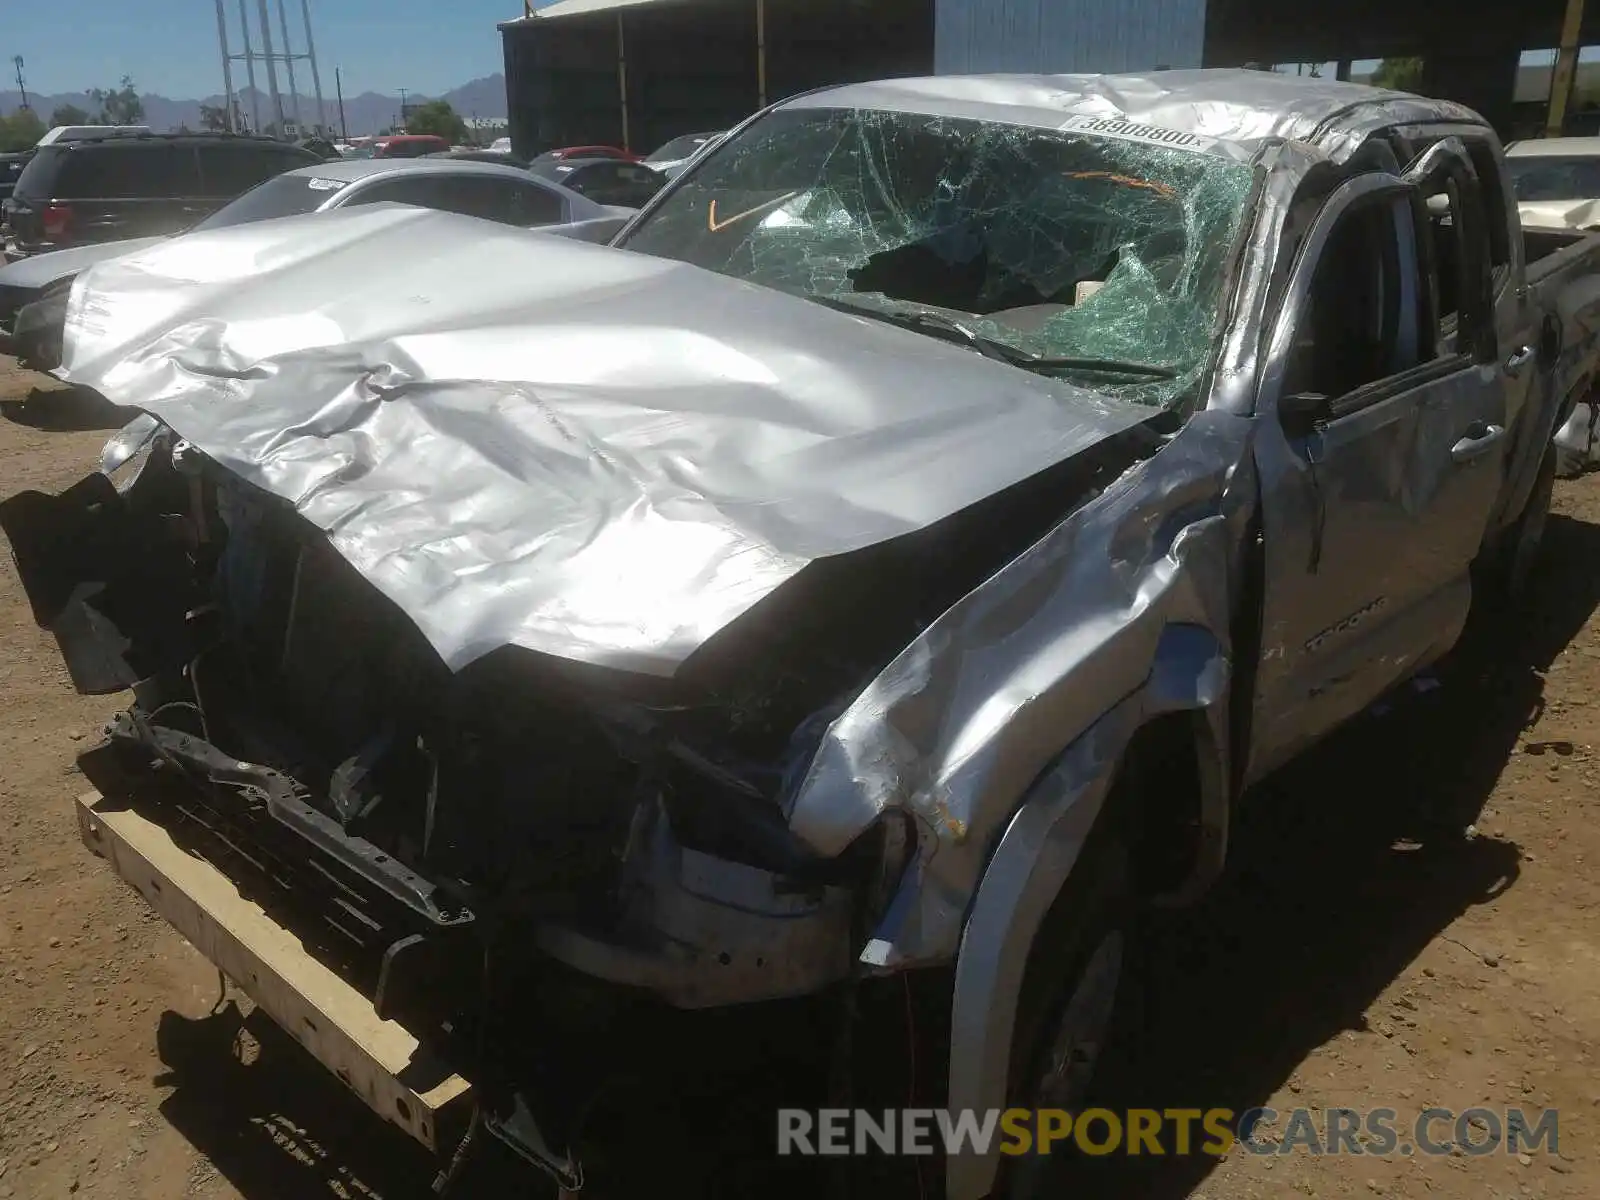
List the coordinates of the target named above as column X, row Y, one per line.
column 324, row 185
column 1150, row 135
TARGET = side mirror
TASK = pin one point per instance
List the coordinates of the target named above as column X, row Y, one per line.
column 1300, row 412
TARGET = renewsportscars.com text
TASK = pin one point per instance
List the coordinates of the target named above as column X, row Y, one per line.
column 1378, row 1132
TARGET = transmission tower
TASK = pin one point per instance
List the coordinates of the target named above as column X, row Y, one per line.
column 269, row 59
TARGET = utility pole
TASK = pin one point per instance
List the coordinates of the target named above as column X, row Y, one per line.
column 316, row 77
column 250, row 68
column 270, row 62
column 227, row 69
column 21, row 84
column 338, row 86
column 402, row 121
column 288, row 65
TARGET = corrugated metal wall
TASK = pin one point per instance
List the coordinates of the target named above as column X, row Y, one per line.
column 1068, row 35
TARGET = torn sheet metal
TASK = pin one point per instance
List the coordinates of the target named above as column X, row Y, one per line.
column 522, row 439
column 958, row 727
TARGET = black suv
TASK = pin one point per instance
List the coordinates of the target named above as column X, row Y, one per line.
column 10, row 168
column 106, row 189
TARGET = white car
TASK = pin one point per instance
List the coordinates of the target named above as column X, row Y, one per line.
column 1557, row 184
column 675, row 155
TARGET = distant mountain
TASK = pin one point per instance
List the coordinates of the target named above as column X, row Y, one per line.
column 365, row 113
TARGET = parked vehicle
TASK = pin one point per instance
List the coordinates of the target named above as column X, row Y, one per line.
column 489, row 156
column 1557, row 181
column 604, row 180
column 10, row 169
column 321, row 147
column 408, row 145
column 33, row 290
column 675, row 155
column 106, row 189
column 585, row 152
column 1557, row 185
column 501, row 145
column 886, row 566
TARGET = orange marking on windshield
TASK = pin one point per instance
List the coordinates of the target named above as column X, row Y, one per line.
column 1159, row 189
column 717, row 227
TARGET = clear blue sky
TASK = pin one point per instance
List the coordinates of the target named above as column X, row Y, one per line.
column 170, row 46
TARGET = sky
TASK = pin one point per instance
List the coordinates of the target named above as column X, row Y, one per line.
column 170, row 46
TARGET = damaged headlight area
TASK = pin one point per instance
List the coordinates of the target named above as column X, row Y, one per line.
column 528, row 840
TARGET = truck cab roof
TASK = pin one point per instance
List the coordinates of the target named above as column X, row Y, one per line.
column 1223, row 107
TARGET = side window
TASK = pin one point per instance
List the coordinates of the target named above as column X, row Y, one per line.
column 1458, row 262
column 1359, row 321
column 229, row 171
column 1497, row 209
column 537, row 206
column 483, row 196
column 145, row 171
column 430, row 192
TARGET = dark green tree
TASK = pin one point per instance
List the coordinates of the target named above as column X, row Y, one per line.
column 120, row 106
column 437, row 117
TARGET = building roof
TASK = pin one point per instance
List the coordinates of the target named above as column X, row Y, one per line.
column 577, row 8
column 1228, row 106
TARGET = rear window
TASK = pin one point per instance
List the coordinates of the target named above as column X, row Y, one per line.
column 1538, row 178
column 283, row 196
column 681, row 147
column 112, row 170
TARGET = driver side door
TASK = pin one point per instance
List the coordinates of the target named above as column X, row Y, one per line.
column 1381, row 452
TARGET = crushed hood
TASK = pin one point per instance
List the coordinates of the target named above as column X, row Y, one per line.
column 523, row 439
column 41, row 270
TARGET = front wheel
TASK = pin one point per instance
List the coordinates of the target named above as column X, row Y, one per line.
column 1069, row 998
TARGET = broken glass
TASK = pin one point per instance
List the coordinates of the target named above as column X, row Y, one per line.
column 1105, row 250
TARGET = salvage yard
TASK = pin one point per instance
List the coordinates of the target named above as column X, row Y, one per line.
column 1411, row 919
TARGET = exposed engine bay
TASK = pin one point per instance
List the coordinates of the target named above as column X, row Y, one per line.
column 620, row 827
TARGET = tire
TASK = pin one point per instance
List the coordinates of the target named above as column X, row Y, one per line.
column 1074, row 982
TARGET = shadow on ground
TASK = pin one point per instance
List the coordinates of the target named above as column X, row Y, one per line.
column 1346, row 866
column 65, row 410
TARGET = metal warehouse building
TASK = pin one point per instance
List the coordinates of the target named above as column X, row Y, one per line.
column 638, row 72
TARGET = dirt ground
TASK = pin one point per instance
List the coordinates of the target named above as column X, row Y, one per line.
column 1412, row 918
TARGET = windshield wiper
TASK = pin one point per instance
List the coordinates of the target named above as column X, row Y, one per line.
column 951, row 330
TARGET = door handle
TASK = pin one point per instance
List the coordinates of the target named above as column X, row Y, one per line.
column 1479, row 441
column 1520, row 359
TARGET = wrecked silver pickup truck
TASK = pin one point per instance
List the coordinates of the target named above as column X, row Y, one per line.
column 891, row 559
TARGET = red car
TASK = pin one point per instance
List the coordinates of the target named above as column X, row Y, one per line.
column 408, row 145
column 587, row 152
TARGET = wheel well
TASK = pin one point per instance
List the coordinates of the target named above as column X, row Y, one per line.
column 1159, row 795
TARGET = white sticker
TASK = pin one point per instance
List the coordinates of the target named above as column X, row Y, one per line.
column 324, row 185
column 1085, row 289
column 1150, row 135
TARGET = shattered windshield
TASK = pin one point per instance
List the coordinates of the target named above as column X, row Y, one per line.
column 1100, row 258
